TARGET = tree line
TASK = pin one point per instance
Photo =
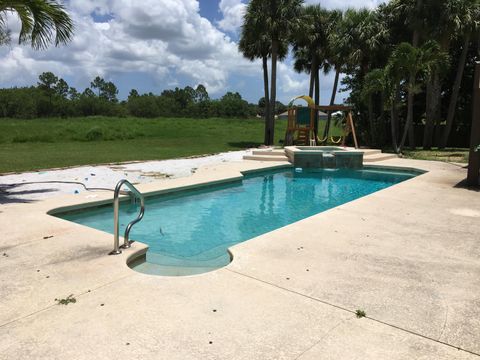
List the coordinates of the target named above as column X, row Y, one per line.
column 407, row 64
column 53, row 97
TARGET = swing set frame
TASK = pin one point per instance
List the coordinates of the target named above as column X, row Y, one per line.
column 301, row 131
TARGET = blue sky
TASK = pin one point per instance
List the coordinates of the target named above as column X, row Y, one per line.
column 210, row 10
column 152, row 45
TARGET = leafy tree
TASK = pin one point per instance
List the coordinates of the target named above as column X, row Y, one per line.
column 67, row 101
column 201, row 94
column 88, row 93
column 280, row 107
column 232, row 104
column 98, row 84
column 73, row 94
column 62, row 89
column 143, row 106
column 19, row 102
column 106, row 90
column 133, row 94
column 47, row 82
column 109, row 92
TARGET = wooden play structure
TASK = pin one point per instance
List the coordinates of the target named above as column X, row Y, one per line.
column 301, row 124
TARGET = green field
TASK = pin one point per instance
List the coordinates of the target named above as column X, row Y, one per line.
column 48, row 143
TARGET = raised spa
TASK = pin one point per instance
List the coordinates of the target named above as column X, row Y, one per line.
column 190, row 231
column 329, row 157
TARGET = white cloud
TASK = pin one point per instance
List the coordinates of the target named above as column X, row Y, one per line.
column 159, row 38
column 167, row 40
column 290, row 81
column 233, row 11
column 292, row 84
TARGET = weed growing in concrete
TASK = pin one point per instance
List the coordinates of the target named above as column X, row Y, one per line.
column 360, row 314
column 69, row 299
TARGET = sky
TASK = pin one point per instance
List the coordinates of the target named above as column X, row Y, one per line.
column 153, row 45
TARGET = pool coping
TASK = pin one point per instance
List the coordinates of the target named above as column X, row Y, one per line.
column 205, row 185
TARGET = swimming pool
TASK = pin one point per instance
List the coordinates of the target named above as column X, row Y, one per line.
column 190, row 231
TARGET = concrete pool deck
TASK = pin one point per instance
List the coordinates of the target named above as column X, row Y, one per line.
column 409, row 256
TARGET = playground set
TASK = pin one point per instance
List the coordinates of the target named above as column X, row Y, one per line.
column 302, row 127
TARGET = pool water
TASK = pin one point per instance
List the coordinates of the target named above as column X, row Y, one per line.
column 190, row 231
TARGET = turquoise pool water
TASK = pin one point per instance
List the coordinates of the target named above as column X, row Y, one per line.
column 190, row 231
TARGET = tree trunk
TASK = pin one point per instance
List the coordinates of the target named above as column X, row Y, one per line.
column 382, row 118
column 409, row 123
column 455, row 91
column 473, row 176
column 418, row 24
column 478, row 45
column 267, row 99
column 317, row 99
column 432, row 112
column 412, row 79
column 371, row 121
column 411, row 135
column 394, row 118
column 273, row 93
column 332, row 102
column 312, row 79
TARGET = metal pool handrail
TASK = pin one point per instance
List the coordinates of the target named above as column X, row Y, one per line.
column 116, row 206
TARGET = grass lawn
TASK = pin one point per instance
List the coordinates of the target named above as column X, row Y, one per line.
column 47, row 143
column 449, row 155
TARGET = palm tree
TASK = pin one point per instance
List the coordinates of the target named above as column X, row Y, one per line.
column 254, row 44
column 414, row 62
column 338, row 51
column 364, row 34
column 375, row 84
column 277, row 19
column 470, row 10
column 42, row 22
column 310, row 47
column 447, row 19
column 414, row 16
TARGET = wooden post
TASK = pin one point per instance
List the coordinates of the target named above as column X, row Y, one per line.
column 473, row 178
column 352, row 127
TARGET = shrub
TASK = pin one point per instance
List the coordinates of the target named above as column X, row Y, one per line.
column 94, row 134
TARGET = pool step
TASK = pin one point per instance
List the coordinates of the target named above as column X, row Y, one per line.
column 265, row 157
column 269, row 152
column 370, row 155
column 367, row 152
column 378, row 157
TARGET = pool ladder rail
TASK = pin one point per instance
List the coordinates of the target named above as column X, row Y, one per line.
column 134, row 194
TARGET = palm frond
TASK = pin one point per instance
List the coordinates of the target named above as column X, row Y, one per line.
column 42, row 22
